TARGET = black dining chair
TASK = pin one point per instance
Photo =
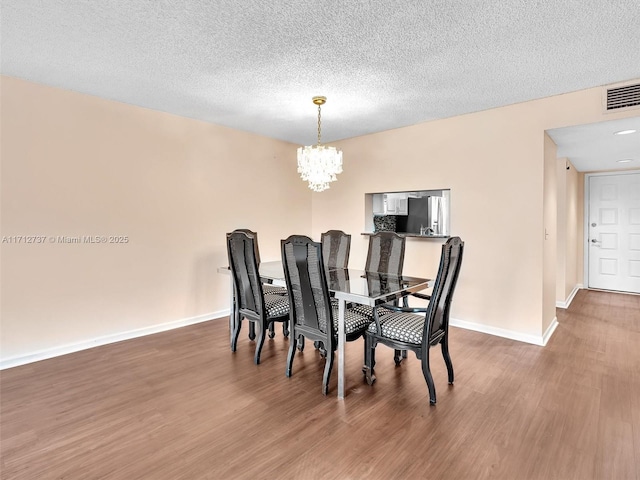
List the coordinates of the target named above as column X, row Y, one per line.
column 251, row 303
column 336, row 245
column 403, row 328
column 335, row 248
column 386, row 253
column 312, row 315
column 267, row 289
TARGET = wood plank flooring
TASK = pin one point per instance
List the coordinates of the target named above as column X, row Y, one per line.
column 180, row 405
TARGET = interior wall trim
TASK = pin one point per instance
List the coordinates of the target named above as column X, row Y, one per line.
column 569, row 299
column 107, row 339
column 550, row 329
column 540, row 340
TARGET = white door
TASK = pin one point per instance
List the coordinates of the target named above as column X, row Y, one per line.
column 614, row 232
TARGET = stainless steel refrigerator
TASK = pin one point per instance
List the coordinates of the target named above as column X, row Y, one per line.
column 428, row 216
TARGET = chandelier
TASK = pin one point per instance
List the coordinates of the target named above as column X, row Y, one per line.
column 319, row 164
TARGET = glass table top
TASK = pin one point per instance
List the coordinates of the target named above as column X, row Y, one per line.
column 358, row 285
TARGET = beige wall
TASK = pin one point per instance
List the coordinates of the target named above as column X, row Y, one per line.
column 487, row 164
column 79, row 165
column 570, row 238
column 550, row 232
column 573, row 228
column 75, row 165
column 580, row 231
column 494, row 162
column 562, row 232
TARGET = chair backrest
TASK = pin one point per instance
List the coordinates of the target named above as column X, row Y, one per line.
column 335, row 248
column 307, row 286
column 243, row 263
column 255, row 238
column 386, row 253
column 437, row 316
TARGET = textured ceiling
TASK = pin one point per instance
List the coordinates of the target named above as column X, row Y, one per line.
column 255, row 64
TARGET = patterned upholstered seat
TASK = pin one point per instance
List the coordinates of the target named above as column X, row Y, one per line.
column 277, row 305
column 353, row 321
column 274, row 290
column 403, row 328
column 367, row 311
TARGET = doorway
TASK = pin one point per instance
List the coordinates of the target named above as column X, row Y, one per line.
column 612, row 231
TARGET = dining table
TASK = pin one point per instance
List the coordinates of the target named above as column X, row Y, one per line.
column 348, row 286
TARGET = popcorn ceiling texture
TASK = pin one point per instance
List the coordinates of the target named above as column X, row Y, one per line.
column 254, row 65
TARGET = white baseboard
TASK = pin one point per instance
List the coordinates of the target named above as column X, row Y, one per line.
column 569, row 299
column 550, row 329
column 140, row 332
column 540, row 340
column 107, row 339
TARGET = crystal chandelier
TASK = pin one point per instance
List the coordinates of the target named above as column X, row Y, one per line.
column 319, row 164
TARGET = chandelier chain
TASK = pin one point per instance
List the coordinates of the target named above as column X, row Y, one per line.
column 318, row 124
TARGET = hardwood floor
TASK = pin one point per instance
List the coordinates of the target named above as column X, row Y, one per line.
column 180, row 405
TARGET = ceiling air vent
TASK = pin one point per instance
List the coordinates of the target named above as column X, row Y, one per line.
column 624, row 96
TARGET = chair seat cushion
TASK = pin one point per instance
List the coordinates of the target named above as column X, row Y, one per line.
column 335, row 302
column 368, row 311
column 353, row 321
column 404, row 327
column 274, row 290
column 277, row 305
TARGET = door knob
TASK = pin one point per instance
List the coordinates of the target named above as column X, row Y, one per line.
column 593, row 240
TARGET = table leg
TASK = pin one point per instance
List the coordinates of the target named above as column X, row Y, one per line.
column 341, row 342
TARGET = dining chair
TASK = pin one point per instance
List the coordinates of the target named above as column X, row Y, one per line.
column 312, row 315
column 335, row 248
column 251, row 303
column 336, row 245
column 267, row 288
column 386, row 253
column 403, row 328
